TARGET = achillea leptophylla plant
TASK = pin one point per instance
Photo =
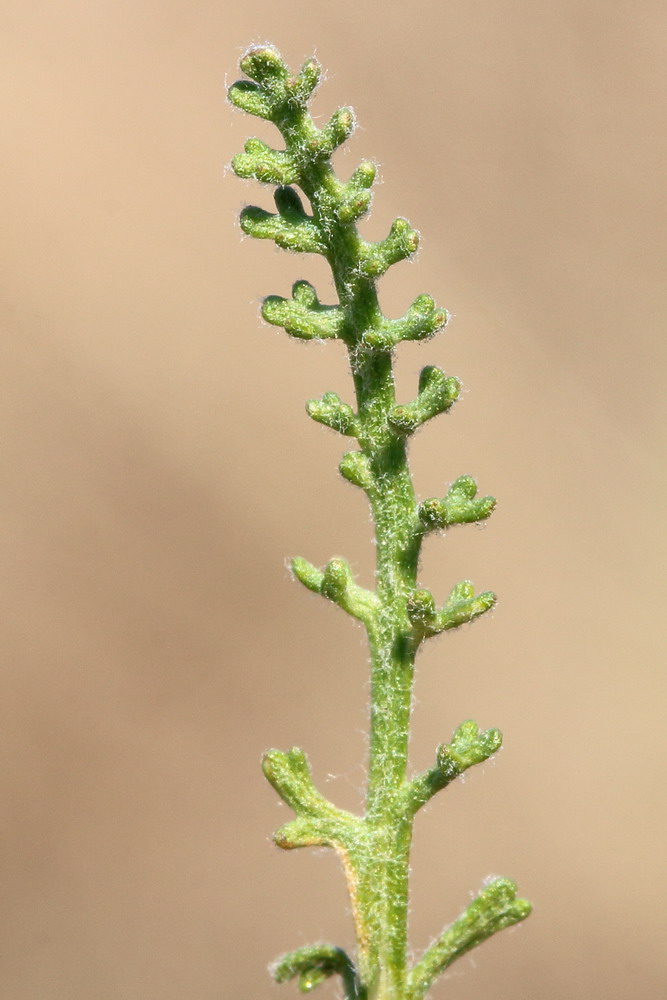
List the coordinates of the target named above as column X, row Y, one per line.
column 399, row 614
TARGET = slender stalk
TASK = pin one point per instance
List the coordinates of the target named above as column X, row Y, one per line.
column 398, row 615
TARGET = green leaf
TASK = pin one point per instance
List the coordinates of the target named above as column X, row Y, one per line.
column 468, row 747
column 437, row 393
column 401, row 243
column 496, row 908
column 313, row 965
column 458, row 507
column 252, row 99
column 333, row 413
column 264, row 64
column 289, row 229
column 270, row 166
column 303, row 316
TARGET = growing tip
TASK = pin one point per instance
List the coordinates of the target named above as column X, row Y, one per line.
column 264, row 64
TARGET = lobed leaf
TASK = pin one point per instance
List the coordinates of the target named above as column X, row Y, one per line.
column 303, row 316
column 313, row 965
column 459, row 506
column 468, row 747
column 495, row 908
column 437, row 393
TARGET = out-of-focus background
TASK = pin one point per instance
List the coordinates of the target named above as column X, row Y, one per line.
column 158, row 467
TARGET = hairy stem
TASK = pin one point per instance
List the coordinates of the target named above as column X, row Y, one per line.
column 398, row 615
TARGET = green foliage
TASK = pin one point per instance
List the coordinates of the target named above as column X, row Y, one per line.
column 399, row 614
column 313, row 964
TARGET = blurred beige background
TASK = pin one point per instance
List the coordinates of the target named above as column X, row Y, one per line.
column 157, row 468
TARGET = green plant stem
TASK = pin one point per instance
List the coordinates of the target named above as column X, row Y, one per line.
column 393, row 504
column 398, row 615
